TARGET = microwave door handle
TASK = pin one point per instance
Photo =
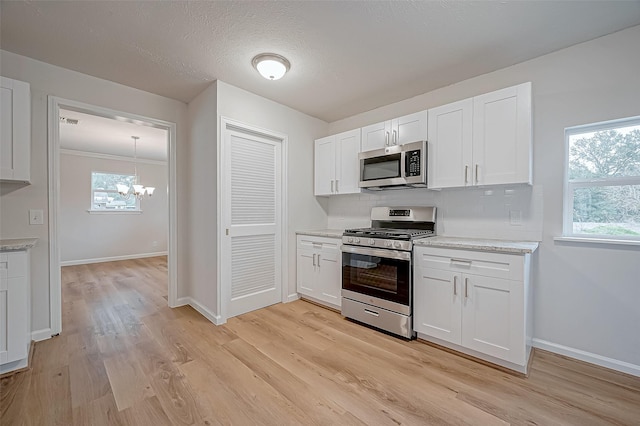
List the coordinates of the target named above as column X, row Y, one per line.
column 403, row 165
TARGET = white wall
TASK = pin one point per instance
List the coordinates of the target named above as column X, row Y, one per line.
column 203, row 233
column 85, row 237
column 584, row 294
column 471, row 213
column 15, row 200
column 304, row 210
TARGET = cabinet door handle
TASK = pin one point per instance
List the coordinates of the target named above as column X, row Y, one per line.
column 318, row 261
column 331, row 186
column 395, row 137
column 314, row 259
column 455, row 285
column 476, row 173
column 466, row 174
column 466, row 288
column 386, row 138
column 337, row 190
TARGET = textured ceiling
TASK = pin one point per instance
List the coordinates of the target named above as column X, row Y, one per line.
column 110, row 136
column 346, row 56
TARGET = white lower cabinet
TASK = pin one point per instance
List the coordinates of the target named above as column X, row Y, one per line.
column 14, row 310
column 319, row 269
column 474, row 302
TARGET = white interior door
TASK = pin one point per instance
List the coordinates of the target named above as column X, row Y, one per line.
column 252, row 212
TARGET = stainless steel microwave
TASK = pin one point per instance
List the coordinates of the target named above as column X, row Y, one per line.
column 394, row 167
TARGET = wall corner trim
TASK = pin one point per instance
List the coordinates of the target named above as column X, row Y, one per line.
column 602, row 361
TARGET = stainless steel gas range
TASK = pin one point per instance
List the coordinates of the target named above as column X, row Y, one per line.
column 377, row 272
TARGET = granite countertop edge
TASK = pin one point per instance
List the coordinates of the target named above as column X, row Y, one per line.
column 17, row 244
column 479, row 244
column 331, row 233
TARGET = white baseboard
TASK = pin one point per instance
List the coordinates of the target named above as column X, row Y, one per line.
column 292, row 297
column 181, row 301
column 216, row 319
column 39, row 335
column 15, row 365
column 602, row 361
column 112, row 258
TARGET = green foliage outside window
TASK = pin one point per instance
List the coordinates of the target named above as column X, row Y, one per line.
column 104, row 194
column 611, row 158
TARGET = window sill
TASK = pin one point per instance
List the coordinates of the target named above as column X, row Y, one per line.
column 114, row 211
column 606, row 241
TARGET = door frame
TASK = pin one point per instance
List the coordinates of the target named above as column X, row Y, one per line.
column 53, row 140
column 224, row 272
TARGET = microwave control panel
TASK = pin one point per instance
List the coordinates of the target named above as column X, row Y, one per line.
column 412, row 166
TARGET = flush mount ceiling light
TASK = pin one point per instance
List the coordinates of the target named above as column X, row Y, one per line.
column 270, row 65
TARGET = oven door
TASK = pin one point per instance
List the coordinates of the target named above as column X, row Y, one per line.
column 385, row 274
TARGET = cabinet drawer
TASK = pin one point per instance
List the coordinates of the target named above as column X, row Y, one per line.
column 495, row 265
column 323, row 243
column 13, row 264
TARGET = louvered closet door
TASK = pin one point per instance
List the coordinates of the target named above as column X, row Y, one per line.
column 253, row 244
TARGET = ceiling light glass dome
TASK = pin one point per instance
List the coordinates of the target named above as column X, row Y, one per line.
column 271, row 66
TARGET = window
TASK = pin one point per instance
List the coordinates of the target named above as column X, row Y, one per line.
column 602, row 197
column 105, row 196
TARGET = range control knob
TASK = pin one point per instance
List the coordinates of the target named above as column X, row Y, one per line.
column 372, row 242
column 356, row 240
column 388, row 244
column 350, row 240
column 397, row 244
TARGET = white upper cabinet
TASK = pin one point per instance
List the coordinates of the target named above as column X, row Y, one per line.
column 450, row 140
column 376, row 136
column 406, row 129
column 325, row 165
column 502, row 136
column 485, row 140
column 348, row 164
column 337, row 168
column 15, row 130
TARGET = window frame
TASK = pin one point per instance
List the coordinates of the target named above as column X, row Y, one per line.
column 571, row 185
column 92, row 210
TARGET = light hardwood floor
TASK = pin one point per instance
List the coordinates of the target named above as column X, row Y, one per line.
column 125, row 358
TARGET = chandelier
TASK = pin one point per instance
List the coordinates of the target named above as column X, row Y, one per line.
column 136, row 190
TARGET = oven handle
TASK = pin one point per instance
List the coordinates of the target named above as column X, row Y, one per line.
column 388, row 254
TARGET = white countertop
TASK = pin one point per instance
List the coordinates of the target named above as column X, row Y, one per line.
column 332, row 233
column 497, row 246
column 17, row 244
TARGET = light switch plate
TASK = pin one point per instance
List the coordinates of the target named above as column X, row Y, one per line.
column 36, row 217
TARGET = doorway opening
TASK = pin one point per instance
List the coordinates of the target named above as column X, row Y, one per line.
column 91, row 149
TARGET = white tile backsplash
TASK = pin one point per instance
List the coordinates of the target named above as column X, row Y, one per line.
column 463, row 212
